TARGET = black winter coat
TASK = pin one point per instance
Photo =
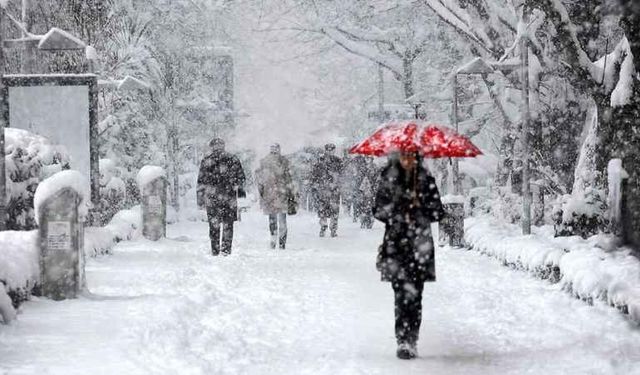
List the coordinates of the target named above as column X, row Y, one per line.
column 407, row 203
column 325, row 183
column 220, row 177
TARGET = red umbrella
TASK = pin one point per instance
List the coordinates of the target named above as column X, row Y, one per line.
column 431, row 140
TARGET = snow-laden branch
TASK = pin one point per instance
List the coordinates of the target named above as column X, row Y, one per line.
column 568, row 31
column 459, row 20
column 363, row 48
column 617, row 73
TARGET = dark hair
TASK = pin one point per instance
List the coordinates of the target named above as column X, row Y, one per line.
column 216, row 143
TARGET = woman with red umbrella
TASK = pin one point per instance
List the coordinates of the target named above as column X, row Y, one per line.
column 407, row 202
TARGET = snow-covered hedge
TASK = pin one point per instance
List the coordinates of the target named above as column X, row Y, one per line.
column 583, row 267
column 19, row 264
column 29, row 159
column 124, row 225
column 113, row 190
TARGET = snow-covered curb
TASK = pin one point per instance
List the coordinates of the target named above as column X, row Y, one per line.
column 583, row 269
column 19, row 258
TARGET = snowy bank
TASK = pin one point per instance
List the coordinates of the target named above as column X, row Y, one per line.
column 19, row 263
column 124, row 225
column 581, row 267
column 19, row 252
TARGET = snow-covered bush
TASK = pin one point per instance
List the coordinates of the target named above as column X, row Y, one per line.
column 113, row 190
column 581, row 214
column 19, row 264
column 124, row 225
column 506, row 205
column 29, row 159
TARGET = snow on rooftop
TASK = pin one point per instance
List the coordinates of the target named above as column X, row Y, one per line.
column 58, row 182
column 58, row 39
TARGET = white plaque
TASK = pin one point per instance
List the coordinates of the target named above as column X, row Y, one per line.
column 155, row 204
column 59, row 235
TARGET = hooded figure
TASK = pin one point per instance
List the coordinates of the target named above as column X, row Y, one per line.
column 325, row 184
column 220, row 182
column 407, row 202
column 277, row 193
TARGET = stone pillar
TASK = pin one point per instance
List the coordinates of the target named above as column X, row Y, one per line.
column 451, row 228
column 154, row 208
column 61, row 239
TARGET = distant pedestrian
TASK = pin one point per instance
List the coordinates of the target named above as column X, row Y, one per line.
column 407, row 202
column 367, row 183
column 277, row 193
column 220, row 182
column 325, row 182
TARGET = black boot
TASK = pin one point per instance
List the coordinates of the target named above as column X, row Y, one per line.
column 406, row 351
column 323, row 229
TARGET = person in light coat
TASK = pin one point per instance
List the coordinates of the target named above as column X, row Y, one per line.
column 277, row 193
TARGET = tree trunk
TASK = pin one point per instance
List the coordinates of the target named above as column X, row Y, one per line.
column 407, row 79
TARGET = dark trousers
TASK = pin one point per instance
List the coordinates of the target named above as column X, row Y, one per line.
column 333, row 224
column 220, row 244
column 408, row 310
column 278, row 228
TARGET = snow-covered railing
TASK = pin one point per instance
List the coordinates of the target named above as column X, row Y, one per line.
column 581, row 267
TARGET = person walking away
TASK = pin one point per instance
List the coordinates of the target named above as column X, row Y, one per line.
column 407, row 202
column 325, row 180
column 277, row 193
column 366, row 195
column 220, row 182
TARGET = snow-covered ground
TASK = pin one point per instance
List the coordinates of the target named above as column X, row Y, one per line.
column 316, row 308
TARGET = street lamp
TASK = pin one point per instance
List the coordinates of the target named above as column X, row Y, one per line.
column 479, row 66
column 54, row 40
column 476, row 66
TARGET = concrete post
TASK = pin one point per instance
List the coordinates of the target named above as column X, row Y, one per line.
column 61, row 239
column 154, row 209
column 451, row 228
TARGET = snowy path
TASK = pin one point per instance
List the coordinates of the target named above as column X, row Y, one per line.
column 316, row 308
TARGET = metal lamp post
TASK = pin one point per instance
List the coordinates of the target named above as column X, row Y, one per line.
column 478, row 66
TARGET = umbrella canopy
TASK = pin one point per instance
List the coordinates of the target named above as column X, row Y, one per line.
column 430, row 140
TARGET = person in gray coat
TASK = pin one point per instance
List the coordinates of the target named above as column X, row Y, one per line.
column 277, row 193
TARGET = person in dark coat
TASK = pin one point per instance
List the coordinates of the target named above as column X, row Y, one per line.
column 277, row 193
column 407, row 202
column 220, row 182
column 325, row 183
column 367, row 183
